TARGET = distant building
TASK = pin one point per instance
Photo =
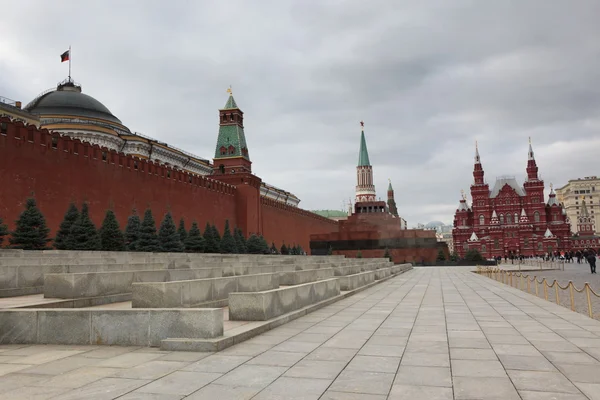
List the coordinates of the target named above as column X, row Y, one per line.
column 12, row 109
column 510, row 219
column 446, row 238
column 574, row 193
column 335, row 215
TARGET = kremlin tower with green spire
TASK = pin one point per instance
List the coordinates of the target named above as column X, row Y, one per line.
column 365, row 189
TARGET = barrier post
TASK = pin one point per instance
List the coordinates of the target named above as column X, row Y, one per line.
column 572, row 295
column 536, row 287
column 556, row 292
column 545, row 289
column 528, row 285
column 589, row 300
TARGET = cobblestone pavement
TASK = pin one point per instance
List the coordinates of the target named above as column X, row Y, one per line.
column 579, row 274
column 431, row 333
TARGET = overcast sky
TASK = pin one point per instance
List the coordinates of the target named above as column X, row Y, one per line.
column 428, row 78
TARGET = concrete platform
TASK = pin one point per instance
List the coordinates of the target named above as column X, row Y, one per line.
column 430, row 333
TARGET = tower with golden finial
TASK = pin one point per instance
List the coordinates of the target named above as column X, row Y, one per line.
column 365, row 189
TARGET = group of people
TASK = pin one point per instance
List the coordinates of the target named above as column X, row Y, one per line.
column 587, row 255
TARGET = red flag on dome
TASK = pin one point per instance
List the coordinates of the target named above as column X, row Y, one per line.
column 65, row 56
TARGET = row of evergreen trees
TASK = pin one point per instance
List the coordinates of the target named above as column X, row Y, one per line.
column 78, row 232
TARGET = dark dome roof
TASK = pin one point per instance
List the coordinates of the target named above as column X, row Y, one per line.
column 67, row 99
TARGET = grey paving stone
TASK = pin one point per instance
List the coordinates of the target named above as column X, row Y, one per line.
column 427, row 347
column 255, row 376
column 468, row 388
column 423, row 376
column 426, row 360
column 276, row 358
column 363, row 382
column 128, row 360
column 406, row 392
column 179, row 383
column 541, row 381
column 294, row 388
column 329, row 354
column 312, row 337
column 374, row 363
column 316, row 369
column 526, row 363
column 33, row 393
column 591, row 390
column 78, row 378
column 218, row 392
column 45, row 356
column 527, row 395
column 184, row 356
column 296, row 347
column 584, row 373
column 516, row 350
column 150, row 370
column 478, row 368
column 108, row 351
column 383, row 351
column 469, row 343
column 246, row 349
column 104, row 389
column 570, row 358
column 60, row 366
column 150, row 396
column 217, row 363
column 472, row 354
column 387, row 341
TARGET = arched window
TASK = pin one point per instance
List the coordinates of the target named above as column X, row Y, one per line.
column 516, row 218
column 501, row 218
column 481, row 220
column 536, row 216
column 223, row 151
column 483, row 248
column 508, row 219
column 540, row 248
column 231, row 117
column 231, row 150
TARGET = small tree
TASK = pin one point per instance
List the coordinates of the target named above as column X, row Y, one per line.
column 217, row 238
column 148, row 240
column 454, row 257
column 330, row 251
column 284, row 249
column 181, row 231
column 273, row 248
column 240, row 241
column 359, row 254
column 264, row 246
column 473, row 255
column 194, row 242
column 168, row 237
column 84, row 235
column 132, row 231
column 300, row 250
column 254, row 245
column 62, row 236
column 111, row 237
column 3, row 231
column 227, row 245
column 441, row 256
column 31, row 232
column 387, row 254
column 210, row 245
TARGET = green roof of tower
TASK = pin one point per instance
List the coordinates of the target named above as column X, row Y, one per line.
column 390, row 186
column 231, row 135
column 231, row 104
column 363, row 156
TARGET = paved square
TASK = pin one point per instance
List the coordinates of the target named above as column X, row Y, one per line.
column 431, row 333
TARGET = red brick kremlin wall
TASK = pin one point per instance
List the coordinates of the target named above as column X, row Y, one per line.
column 59, row 170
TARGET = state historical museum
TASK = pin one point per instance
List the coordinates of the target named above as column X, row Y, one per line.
column 510, row 220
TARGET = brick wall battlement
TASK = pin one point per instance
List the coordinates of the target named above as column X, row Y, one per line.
column 276, row 204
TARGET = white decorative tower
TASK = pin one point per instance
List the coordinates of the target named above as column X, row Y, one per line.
column 365, row 189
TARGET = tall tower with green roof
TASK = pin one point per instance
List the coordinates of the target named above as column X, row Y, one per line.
column 365, row 189
column 231, row 152
column 391, row 201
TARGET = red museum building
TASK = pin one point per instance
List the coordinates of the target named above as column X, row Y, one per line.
column 510, row 220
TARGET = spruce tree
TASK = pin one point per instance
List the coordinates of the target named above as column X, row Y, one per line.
column 292, row 250
column 264, row 246
column 273, row 248
column 168, row 237
column 284, row 249
column 83, row 235
column 359, row 254
column 227, row 245
column 182, row 232
column 148, row 240
column 300, row 251
column 240, row 241
column 217, row 239
column 31, row 232
column 194, row 242
column 209, row 240
column 441, row 256
column 62, row 236
column 387, row 254
column 111, row 237
column 330, row 251
column 132, row 231
column 254, row 245
column 3, row 231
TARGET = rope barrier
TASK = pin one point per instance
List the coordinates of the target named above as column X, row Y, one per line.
column 506, row 277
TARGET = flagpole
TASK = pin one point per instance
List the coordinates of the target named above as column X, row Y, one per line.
column 70, row 56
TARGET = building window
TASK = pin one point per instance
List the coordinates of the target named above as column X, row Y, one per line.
column 54, row 142
column 103, row 156
column 516, row 218
column 540, row 246
column 481, row 220
column 231, row 150
column 526, row 242
column 231, row 117
column 496, row 244
column 483, row 248
column 3, row 128
column 508, row 219
column 501, row 218
column 75, row 148
column 536, row 216
column 466, row 246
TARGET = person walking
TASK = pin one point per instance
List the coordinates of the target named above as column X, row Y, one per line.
column 591, row 258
